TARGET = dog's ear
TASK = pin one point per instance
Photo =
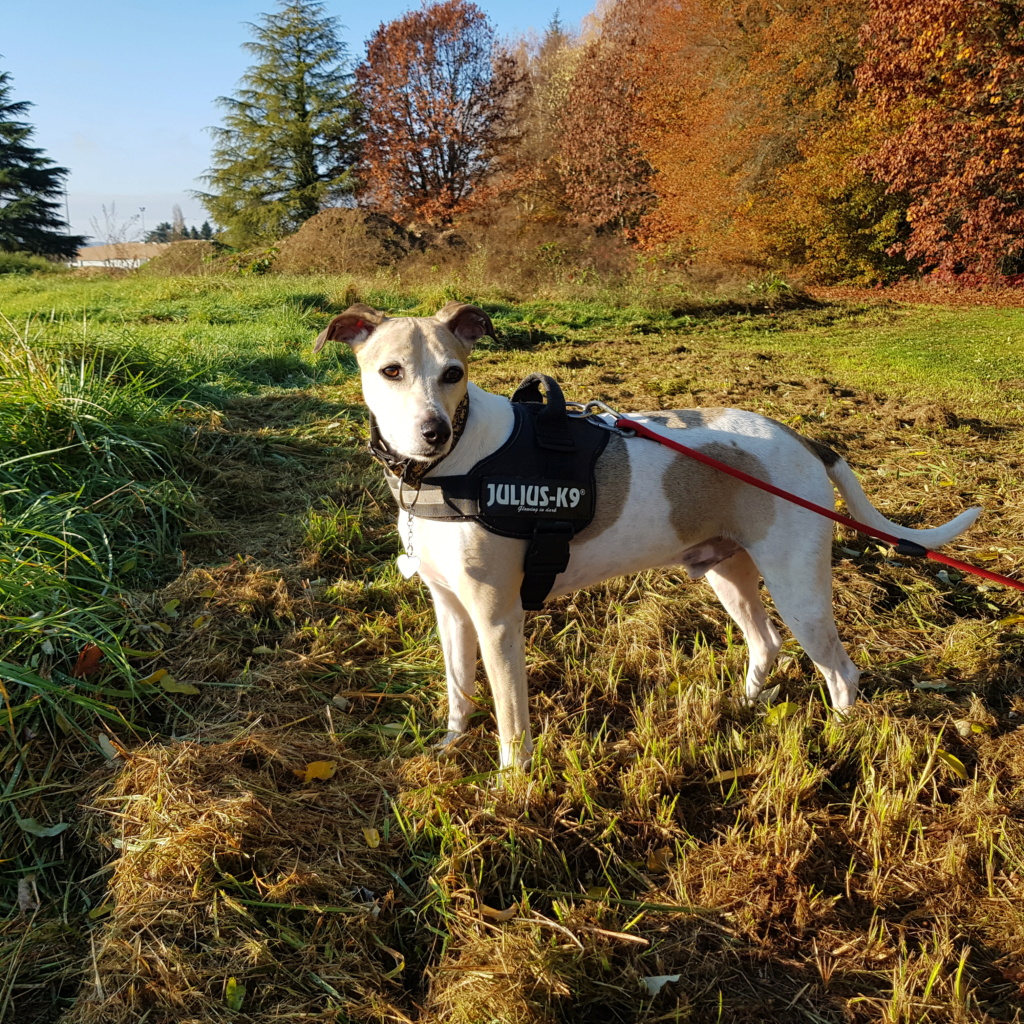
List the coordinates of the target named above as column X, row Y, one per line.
column 468, row 323
column 353, row 326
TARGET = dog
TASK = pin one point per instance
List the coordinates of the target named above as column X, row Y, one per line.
column 652, row 508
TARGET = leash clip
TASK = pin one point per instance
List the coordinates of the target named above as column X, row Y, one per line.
column 598, row 413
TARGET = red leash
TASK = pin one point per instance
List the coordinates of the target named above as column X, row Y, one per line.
column 903, row 547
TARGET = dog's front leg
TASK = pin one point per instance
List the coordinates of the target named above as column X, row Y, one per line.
column 458, row 643
column 504, row 652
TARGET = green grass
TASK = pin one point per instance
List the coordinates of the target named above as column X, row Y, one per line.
column 183, row 486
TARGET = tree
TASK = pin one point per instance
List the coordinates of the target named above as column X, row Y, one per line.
column 31, row 187
column 440, row 102
column 949, row 76
column 605, row 174
column 290, row 134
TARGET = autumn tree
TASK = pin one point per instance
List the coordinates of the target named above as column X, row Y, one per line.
column 949, row 76
column 31, row 187
column 605, row 174
column 290, row 134
column 530, row 172
column 736, row 97
column 441, row 101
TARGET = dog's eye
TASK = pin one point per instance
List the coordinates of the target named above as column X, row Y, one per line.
column 392, row 372
column 452, row 375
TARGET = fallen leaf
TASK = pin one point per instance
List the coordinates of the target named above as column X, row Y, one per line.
column 101, row 911
column 656, row 982
column 110, row 752
column 33, row 827
column 170, row 608
column 371, row 835
column 954, row 764
column 209, row 592
column 162, row 626
column 316, row 770
column 499, row 915
column 778, row 713
column 734, row 773
column 171, row 685
column 202, row 621
column 938, row 685
column 234, row 994
column 88, row 661
column 154, row 677
column 263, row 650
column 660, row 860
column 27, row 899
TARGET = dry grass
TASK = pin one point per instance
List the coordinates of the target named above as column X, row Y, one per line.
column 785, row 865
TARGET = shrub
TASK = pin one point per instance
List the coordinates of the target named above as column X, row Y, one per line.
column 344, row 241
column 25, row 263
column 191, row 257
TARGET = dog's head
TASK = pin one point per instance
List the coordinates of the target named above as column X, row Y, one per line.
column 413, row 370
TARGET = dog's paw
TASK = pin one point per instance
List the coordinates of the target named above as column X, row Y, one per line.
column 447, row 742
column 765, row 696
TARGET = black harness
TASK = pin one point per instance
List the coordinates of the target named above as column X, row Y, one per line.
column 538, row 486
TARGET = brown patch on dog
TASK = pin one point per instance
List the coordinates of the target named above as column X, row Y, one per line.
column 611, row 477
column 818, row 449
column 706, row 503
column 674, row 418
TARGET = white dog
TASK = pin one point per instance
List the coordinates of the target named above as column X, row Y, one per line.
column 652, row 508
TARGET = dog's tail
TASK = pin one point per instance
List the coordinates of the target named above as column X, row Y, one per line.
column 862, row 510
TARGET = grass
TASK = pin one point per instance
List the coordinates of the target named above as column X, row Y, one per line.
column 219, row 797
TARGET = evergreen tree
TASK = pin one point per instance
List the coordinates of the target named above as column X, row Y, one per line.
column 290, row 134
column 206, row 231
column 31, row 186
column 161, row 233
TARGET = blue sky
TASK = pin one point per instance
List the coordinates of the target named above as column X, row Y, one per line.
column 122, row 92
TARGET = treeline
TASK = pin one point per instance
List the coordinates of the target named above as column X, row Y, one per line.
column 859, row 140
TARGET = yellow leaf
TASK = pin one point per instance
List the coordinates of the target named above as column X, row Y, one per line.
column 780, row 712
column 735, row 773
column 660, row 860
column 202, row 621
column 155, row 677
column 499, row 915
column 318, row 770
column 162, row 626
column 234, row 994
column 954, row 764
column 209, row 592
column 171, row 685
column 262, row 650
column 371, row 835
column 170, row 608
column 100, row 911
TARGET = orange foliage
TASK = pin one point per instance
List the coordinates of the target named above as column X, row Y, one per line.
column 955, row 72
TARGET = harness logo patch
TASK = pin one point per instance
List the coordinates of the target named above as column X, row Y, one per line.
column 522, row 497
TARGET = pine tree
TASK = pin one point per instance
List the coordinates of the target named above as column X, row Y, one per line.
column 30, row 188
column 290, row 134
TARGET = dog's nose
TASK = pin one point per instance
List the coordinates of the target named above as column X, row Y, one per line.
column 435, row 431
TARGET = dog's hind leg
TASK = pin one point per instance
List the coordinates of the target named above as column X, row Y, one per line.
column 800, row 583
column 735, row 582
column 458, row 643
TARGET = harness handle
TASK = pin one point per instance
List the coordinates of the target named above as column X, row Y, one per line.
column 552, row 421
